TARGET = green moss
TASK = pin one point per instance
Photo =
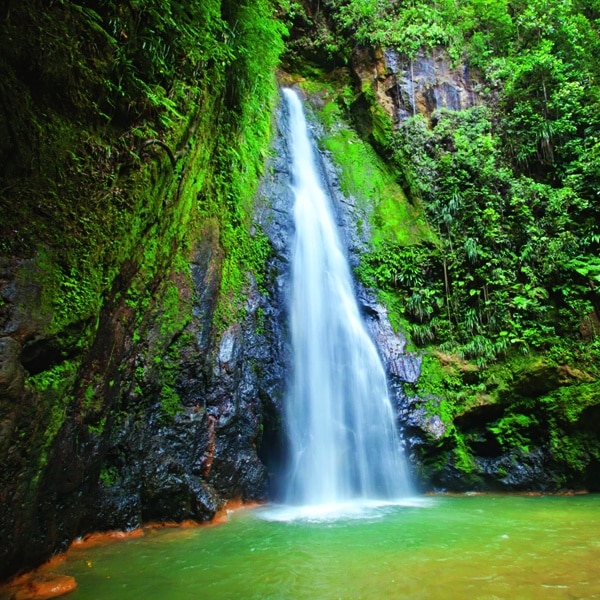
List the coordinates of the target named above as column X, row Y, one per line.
column 366, row 177
column 380, row 121
column 53, row 387
column 97, row 428
column 174, row 315
column 91, row 399
column 442, row 385
column 170, row 403
column 89, row 395
column 513, row 431
column 125, row 198
column 575, row 451
column 463, row 459
column 567, row 403
column 55, row 379
column 246, row 257
column 109, row 475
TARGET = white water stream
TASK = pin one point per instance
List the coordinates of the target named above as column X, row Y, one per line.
column 344, row 447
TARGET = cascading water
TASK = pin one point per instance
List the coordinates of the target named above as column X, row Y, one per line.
column 343, row 441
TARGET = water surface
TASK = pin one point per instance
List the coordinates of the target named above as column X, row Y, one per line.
column 479, row 546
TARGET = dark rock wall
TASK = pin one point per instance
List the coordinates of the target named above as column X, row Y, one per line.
column 36, row 493
column 190, row 464
column 405, row 88
column 120, row 457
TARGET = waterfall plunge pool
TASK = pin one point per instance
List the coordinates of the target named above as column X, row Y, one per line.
column 472, row 546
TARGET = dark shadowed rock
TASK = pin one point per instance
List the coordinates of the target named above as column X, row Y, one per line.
column 405, row 88
column 12, row 374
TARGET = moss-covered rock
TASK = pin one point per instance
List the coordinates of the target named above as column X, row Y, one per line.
column 523, row 425
column 134, row 137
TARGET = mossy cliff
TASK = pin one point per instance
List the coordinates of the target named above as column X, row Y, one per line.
column 132, row 139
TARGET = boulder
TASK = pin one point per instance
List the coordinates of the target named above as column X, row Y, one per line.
column 38, row 586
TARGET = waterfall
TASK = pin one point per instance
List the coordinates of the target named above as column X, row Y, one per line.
column 343, row 443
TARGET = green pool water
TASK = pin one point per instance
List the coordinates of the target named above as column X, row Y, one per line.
column 479, row 546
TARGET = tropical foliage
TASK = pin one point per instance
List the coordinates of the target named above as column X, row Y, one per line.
column 511, row 190
column 124, row 88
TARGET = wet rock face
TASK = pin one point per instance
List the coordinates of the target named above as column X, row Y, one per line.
column 12, row 374
column 273, row 214
column 519, row 440
column 513, row 470
column 24, row 417
column 73, row 463
column 405, row 88
column 188, row 465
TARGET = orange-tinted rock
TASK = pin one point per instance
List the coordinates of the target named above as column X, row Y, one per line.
column 97, row 539
column 43, row 587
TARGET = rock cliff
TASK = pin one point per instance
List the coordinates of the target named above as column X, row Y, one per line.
column 406, row 87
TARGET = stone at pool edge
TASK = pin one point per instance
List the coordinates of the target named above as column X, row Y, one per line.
column 43, row 587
